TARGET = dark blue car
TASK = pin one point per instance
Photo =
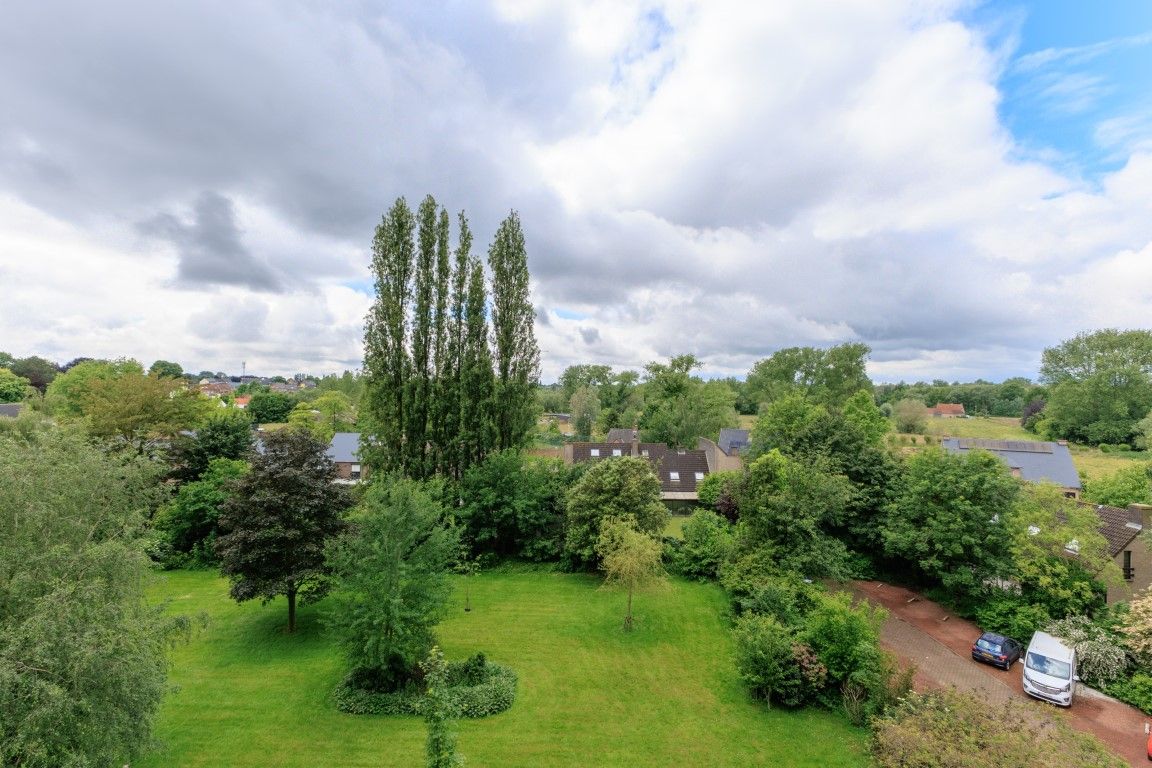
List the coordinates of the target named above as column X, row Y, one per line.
column 996, row 649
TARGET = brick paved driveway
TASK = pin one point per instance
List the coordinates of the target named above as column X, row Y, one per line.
column 939, row 644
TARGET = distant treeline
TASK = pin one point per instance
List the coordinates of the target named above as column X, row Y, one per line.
column 979, row 398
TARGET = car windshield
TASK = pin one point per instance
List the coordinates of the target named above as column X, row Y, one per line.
column 988, row 645
column 1046, row 665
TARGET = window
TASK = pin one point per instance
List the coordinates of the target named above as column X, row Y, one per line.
column 594, row 452
column 674, row 476
column 615, row 451
column 1129, row 574
column 355, row 473
column 644, row 453
column 699, row 476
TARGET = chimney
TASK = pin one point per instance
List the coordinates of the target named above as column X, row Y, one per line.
column 636, row 440
column 1140, row 513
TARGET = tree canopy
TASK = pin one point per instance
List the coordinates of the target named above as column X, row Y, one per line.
column 390, row 576
column 623, row 488
column 280, row 516
column 13, row 388
column 679, row 408
column 82, row 655
column 828, row 376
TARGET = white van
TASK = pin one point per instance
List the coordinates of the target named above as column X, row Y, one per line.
column 1050, row 670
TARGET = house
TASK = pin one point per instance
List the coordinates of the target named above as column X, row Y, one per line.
column 1129, row 550
column 10, row 410
column 215, row 388
column 726, row 454
column 1030, row 460
column 622, row 435
column 344, row 450
column 242, row 401
column 679, row 470
column 948, row 411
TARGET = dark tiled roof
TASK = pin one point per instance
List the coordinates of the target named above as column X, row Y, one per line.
column 1036, row 461
column 11, row 410
column 1117, row 527
column 733, row 440
column 666, row 462
column 621, row 435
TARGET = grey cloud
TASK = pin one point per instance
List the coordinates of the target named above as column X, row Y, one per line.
column 590, row 335
column 230, row 320
column 210, row 247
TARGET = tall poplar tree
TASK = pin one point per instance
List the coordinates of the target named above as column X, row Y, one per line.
column 517, row 356
column 439, row 433
column 419, row 383
column 477, row 431
column 385, row 350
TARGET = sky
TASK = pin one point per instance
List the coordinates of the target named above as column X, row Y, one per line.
column 956, row 184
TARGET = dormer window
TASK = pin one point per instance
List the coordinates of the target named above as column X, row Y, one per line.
column 616, row 452
column 699, row 476
column 674, row 476
column 594, row 452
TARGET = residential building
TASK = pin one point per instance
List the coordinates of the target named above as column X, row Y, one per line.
column 1031, row 460
column 679, row 470
column 948, row 411
column 1126, row 532
column 344, row 450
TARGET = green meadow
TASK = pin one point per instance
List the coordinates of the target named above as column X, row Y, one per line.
column 667, row 694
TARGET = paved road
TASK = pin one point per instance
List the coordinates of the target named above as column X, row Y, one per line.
column 939, row 644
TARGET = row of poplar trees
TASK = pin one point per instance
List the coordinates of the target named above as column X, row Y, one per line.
column 451, row 359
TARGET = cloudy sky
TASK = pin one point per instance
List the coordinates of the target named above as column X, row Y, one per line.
column 956, row 184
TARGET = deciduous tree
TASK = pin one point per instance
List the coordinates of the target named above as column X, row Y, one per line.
column 274, row 528
column 82, row 654
column 952, row 517
column 13, row 388
column 630, row 560
column 624, row 489
column 390, row 577
column 515, row 352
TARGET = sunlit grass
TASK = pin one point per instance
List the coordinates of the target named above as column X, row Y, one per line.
column 589, row 694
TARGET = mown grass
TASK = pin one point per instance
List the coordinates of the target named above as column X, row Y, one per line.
column 589, row 693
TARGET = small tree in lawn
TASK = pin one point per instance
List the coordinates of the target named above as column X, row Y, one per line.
column 630, row 559
column 282, row 513
column 391, row 581
column 438, row 713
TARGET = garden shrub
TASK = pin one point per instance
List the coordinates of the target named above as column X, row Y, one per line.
column 951, row 729
column 1136, row 690
column 846, row 637
column 1099, row 657
column 774, row 665
column 1011, row 616
column 476, row 688
column 707, row 540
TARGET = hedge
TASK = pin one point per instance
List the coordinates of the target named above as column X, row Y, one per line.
column 477, row 689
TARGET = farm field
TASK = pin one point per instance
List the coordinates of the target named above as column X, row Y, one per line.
column 589, row 694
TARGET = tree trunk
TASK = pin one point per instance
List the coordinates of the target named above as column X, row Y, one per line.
column 291, row 608
column 628, row 618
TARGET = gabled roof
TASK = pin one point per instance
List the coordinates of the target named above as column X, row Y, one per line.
column 733, row 440
column 676, row 469
column 1117, row 526
column 344, row 448
column 621, row 435
column 1032, row 460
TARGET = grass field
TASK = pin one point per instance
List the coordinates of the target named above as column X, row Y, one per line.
column 589, row 694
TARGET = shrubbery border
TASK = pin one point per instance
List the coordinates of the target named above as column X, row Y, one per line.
column 495, row 694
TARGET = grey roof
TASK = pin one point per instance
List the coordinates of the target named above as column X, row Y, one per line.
column 733, row 440
column 11, row 409
column 621, row 435
column 344, row 447
column 1034, row 461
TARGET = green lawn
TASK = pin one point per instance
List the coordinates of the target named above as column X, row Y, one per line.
column 590, row 694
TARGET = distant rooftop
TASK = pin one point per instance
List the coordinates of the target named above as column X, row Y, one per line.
column 1032, row 460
